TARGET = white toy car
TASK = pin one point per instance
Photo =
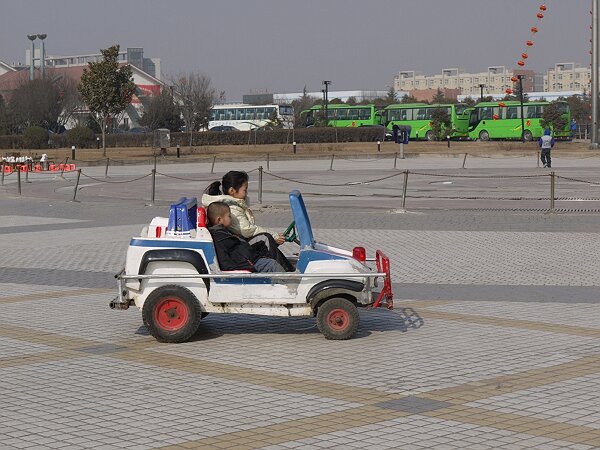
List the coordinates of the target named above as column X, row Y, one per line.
column 172, row 275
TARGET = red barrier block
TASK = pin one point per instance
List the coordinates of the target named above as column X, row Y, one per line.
column 37, row 168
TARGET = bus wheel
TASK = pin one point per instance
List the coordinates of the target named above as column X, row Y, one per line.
column 527, row 135
column 484, row 136
column 430, row 135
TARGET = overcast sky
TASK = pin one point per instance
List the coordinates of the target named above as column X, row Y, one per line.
column 282, row 45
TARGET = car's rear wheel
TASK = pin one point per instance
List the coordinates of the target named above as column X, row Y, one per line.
column 172, row 314
column 337, row 319
column 484, row 136
column 430, row 135
column 527, row 135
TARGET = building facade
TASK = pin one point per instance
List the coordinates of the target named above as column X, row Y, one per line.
column 495, row 79
column 568, row 77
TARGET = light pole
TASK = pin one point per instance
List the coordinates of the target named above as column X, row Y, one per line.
column 520, row 77
column 31, row 37
column 595, row 81
column 326, row 83
column 481, row 86
column 41, row 37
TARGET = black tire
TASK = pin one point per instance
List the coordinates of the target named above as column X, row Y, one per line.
column 337, row 319
column 527, row 135
column 172, row 314
column 484, row 135
column 430, row 135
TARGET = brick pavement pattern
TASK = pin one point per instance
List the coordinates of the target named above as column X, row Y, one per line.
column 494, row 342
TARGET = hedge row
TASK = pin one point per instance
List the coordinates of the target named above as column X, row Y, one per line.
column 279, row 136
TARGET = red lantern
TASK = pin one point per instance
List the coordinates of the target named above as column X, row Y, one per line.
column 509, row 91
column 543, row 8
column 521, row 63
column 534, row 30
column 514, row 79
column 501, row 104
column 540, row 15
column 529, row 43
column 524, row 55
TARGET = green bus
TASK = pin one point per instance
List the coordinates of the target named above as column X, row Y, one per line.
column 502, row 120
column 418, row 117
column 341, row 115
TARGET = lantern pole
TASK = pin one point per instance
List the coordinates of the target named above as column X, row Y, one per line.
column 520, row 77
column 595, row 26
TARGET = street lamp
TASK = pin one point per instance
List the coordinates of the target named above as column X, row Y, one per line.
column 481, row 86
column 41, row 37
column 326, row 83
column 520, row 77
column 31, row 37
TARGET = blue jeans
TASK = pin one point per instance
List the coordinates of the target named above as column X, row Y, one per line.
column 267, row 265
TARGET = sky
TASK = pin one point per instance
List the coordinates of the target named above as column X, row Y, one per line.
column 256, row 46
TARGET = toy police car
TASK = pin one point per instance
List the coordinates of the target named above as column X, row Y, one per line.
column 172, row 275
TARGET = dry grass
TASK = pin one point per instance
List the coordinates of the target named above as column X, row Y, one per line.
column 314, row 150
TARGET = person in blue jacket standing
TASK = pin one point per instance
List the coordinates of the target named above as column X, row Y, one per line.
column 546, row 143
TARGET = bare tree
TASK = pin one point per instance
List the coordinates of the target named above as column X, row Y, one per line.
column 70, row 100
column 196, row 97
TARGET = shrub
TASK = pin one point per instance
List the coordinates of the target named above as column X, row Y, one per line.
column 81, row 137
column 35, row 137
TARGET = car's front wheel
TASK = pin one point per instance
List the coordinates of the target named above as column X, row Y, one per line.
column 337, row 319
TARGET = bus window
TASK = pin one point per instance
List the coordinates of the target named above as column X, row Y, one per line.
column 533, row 112
column 364, row 114
column 486, row 113
column 270, row 111
column 512, row 112
column 460, row 109
column 428, row 113
column 260, row 114
column 283, row 110
column 214, row 114
column 421, row 114
column 353, row 114
column 342, row 114
column 250, row 113
column 563, row 107
column 239, row 112
column 230, row 114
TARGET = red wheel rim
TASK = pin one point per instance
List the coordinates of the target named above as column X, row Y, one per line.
column 338, row 319
column 171, row 314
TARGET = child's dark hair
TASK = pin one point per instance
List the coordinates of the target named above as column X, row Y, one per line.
column 216, row 209
column 232, row 179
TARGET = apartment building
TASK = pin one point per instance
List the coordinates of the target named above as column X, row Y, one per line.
column 567, row 77
column 495, row 79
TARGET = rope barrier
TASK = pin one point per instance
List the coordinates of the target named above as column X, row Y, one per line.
column 115, row 182
column 576, row 180
column 477, row 176
column 350, row 183
column 183, row 178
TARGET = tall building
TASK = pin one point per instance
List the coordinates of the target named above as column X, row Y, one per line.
column 495, row 79
column 567, row 77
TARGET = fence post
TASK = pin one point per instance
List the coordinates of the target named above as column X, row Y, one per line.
column 27, row 175
column 19, row 180
column 331, row 164
column 395, row 160
column 538, row 158
column 63, row 169
column 464, row 160
column 268, row 161
column 404, row 187
column 260, row 184
column 76, row 184
column 401, row 150
column 155, row 158
column 212, row 168
column 378, row 146
column 551, row 191
column 153, row 186
column 2, row 174
column 106, row 169
column 294, row 146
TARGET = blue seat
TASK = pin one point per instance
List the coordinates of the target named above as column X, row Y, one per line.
column 183, row 216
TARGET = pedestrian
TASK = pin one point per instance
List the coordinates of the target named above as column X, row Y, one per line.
column 573, row 127
column 546, row 143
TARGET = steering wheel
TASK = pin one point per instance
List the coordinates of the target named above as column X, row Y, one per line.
column 290, row 234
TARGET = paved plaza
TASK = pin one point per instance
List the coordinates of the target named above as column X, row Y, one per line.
column 494, row 341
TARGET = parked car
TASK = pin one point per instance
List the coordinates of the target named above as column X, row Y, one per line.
column 222, row 128
column 139, row 130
